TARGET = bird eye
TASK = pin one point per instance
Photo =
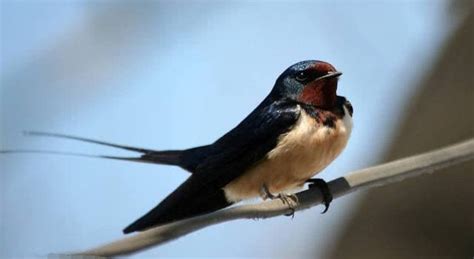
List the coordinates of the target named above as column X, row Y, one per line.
column 302, row 76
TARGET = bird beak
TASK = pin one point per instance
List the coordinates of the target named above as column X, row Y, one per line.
column 329, row 75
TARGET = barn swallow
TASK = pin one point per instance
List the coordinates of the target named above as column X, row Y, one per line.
column 292, row 135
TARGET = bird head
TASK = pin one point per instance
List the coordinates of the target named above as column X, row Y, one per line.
column 310, row 82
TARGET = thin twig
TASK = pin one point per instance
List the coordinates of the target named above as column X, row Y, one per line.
column 365, row 178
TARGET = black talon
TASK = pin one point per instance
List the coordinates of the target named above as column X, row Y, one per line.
column 324, row 188
column 291, row 213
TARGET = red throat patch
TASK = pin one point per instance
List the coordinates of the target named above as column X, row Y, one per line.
column 320, row 93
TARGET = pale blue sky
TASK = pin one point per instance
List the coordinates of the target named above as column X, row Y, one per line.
column 171, row 75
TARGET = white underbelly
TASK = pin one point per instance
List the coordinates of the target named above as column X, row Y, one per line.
column 300, row 154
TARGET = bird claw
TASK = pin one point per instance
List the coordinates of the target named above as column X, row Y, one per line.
column 266, row 194
column 324, row 188
column 290, row 200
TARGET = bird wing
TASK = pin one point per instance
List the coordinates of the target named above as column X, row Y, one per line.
column 226, row 159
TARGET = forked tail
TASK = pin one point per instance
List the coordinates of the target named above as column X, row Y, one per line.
column 168, row 157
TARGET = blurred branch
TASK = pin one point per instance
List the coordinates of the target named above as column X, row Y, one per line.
column 374, row 176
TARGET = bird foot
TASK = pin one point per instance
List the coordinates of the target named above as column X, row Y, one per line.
column 290, row 200
column 324, row 188
column 266, row 194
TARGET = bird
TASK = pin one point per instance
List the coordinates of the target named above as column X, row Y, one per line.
column 298, row 129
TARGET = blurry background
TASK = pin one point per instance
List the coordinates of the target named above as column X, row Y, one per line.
column 168, row 75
